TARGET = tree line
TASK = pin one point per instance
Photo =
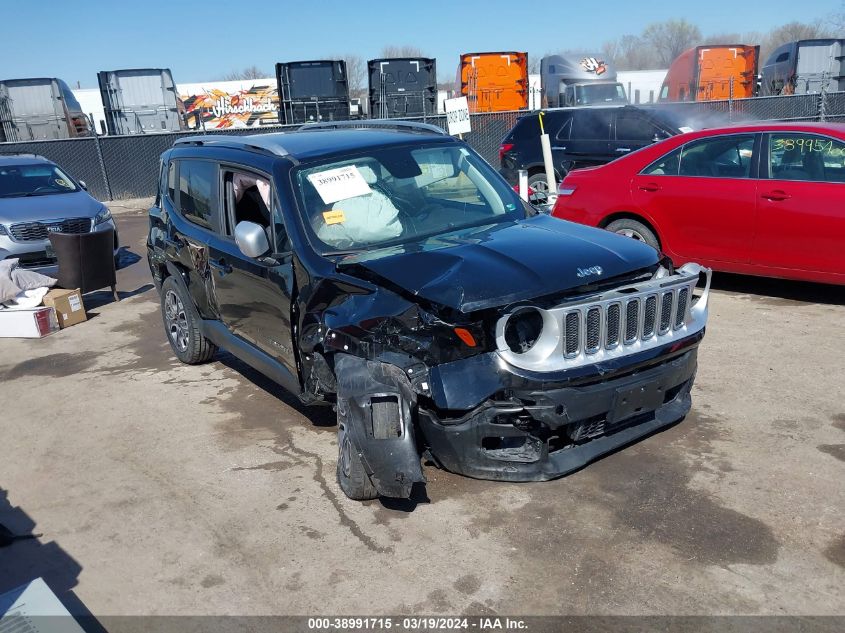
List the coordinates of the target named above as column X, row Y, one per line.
column 656, row 47
column 660, row 43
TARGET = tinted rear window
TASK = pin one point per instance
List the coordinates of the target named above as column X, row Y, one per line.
column 525, row 128
column 197, row 191
column 591, row 125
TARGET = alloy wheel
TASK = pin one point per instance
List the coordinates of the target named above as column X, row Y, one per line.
column 177, row 320
column 636, row 235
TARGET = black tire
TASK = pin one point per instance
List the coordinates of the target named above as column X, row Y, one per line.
column 351, row 476
column 181, row 324
column 635, row 230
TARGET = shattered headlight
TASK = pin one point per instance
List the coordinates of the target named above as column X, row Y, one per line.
column 532, row 333
column 523, row 330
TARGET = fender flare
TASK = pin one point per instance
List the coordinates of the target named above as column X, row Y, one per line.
column 393, row 463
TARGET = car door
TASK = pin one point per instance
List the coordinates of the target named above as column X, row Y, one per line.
column 589, row 139
column 191, row 203
column 632, row 131
column 801, row 203
column 253, row 295
column 704, row 199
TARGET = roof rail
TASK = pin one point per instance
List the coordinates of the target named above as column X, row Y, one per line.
column 262, row 143
column 377, row 124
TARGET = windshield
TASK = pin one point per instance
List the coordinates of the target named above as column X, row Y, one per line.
column 396, row 195
column 33, row 180
column 600, row 93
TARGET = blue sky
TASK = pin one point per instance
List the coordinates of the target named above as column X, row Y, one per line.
column 203, row 40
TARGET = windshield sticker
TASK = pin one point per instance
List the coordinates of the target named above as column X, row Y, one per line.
column 339, row 184
column 334, row 217
column 804, row 146
column 62, row 183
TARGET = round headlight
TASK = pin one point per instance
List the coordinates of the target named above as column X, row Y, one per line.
column 523, row 329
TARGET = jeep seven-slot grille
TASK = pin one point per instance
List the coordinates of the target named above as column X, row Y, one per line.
column 37, row 231
column 589, row 329
column 614, row 323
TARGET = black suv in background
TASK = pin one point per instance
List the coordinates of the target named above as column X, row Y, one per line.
column 581, row 137
column 393, row 274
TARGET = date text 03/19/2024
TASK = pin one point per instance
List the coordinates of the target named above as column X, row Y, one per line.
column 425, row 623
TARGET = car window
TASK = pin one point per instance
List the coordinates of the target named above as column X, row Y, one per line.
column 527, row 128
column 197, row 191
column 249, row 198
column 391, row 196
column 667, row 165
column 171, row 181
column 591, row 125
column 594, row 94
column 40, row 179
column 565, row 130
column 631, row 126
column 719, row 157
column 806, row 157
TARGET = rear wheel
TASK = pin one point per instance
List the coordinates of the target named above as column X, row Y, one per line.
column 181, row 322
column 635, row 230
column 539, row 183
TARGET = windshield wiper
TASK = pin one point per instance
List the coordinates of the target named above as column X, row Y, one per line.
column 28, row 194
column 340, row 253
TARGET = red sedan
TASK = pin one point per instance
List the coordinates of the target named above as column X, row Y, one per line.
column 765, row 199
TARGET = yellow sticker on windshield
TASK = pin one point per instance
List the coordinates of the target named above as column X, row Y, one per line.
column 62, row 183
column 334, row 217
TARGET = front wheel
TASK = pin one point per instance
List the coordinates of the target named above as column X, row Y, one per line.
column 635, row 230
column 351, row 476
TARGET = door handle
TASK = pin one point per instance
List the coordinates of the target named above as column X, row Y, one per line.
column 220, row 266
column 776, row 195
column 650, row 186
column 623, row 149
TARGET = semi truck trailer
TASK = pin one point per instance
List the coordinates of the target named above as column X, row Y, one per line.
column 140, row 101
column 712, row 73
column 803, row 67
column 494, row 82
column 40, row 108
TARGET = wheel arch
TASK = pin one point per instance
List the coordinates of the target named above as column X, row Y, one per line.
column 541, row 169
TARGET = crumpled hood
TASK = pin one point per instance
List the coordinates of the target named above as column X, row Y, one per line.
column 78, row 204
column 479, row 268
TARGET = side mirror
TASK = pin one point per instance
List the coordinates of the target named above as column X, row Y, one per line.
column 83, row 185
column 251, row 239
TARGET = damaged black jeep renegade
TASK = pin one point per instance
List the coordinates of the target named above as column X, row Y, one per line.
column 391, row 272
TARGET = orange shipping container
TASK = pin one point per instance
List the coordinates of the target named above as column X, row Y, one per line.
column 708, row 73
column 494, row 82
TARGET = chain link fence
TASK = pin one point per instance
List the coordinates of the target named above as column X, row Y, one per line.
column 120, row 167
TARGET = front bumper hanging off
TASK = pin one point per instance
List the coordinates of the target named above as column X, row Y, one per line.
column 540, row 434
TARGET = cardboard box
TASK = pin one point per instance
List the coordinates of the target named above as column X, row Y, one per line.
column 68, row 304
column 28, row 323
